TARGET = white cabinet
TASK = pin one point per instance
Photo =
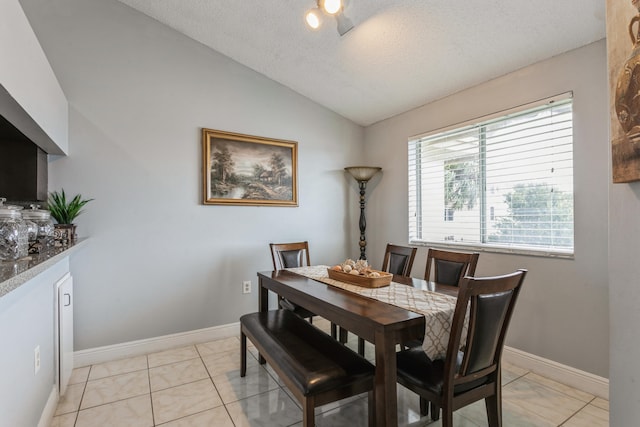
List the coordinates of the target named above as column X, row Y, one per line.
column 64, row 329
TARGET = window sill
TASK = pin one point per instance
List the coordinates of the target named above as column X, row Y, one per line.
column 544, row 253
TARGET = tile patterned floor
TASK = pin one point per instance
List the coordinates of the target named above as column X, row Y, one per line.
column 201, row 386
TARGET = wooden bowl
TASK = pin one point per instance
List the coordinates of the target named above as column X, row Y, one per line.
column 365, row 282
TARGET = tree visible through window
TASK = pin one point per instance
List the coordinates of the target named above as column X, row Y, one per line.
column 504, row 182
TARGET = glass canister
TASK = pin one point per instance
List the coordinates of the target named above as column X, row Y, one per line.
column 44, row 236
column 14, row 235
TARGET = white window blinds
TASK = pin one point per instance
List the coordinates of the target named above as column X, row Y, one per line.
column 504, row 182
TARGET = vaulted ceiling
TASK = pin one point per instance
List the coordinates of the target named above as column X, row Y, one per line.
column 401, row 53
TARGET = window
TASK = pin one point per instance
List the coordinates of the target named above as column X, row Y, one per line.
column 502, row 183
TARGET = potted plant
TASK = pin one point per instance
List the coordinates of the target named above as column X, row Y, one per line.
column 64, row 212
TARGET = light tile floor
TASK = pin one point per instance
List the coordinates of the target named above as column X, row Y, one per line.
column 201, row 386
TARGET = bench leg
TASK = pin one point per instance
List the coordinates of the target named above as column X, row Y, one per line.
column 308, row 412
column 243, row 354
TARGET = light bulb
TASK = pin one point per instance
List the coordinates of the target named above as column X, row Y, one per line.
column 313, row 18
column 332, row 6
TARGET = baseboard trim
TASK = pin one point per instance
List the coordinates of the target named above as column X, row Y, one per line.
column 585, row 381
column 49, row 409
column 108, row 353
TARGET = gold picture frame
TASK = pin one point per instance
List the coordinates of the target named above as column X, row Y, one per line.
column 240, row 169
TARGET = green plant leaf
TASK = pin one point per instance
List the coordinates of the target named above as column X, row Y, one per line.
column 65, row 212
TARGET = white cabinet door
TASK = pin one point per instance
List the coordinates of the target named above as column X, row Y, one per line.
column 65, row 331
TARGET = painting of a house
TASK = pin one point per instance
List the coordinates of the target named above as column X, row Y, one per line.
column 248, row 170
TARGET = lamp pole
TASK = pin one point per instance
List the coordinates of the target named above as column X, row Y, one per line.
column 362, row 174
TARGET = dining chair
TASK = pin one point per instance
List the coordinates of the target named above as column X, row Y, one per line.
column 450, row 267
column 468, row 375
column 289, row 255
column 398, row 260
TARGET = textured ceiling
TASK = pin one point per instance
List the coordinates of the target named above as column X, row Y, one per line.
column 401, row 53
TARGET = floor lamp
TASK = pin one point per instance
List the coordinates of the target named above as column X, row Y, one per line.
column 362, row 174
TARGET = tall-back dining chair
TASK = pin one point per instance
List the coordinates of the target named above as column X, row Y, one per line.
column 468, row 375
column 450, row 267
column 289, row 255
column 398, row 260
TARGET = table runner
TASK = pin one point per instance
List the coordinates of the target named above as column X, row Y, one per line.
column 437, row 308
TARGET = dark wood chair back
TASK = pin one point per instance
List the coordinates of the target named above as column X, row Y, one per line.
column 450, row 267
column 473, row 373
column 288, row 255
column 398, row 260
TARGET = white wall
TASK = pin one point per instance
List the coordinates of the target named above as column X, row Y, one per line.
column 160, row 262
column 563, row 312
column 30, row 95
column 624, row 235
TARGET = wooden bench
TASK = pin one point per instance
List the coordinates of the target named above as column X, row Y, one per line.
column 316, row 368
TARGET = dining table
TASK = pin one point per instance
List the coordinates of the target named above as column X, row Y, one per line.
column 383, row 324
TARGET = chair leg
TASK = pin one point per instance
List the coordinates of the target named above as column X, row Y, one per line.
column 361, row 346
column 243, row 354
column 334, row 331
column 435, row 411
column 494, row 411
column 424, row 406
column 447, row 417
column 308, row 412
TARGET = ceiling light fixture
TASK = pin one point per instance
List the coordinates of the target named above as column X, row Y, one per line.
column 313, row 18
column 331, row 6
column 335, row 8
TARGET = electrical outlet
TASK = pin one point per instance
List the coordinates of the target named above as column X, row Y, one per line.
column 36, row 360
column 246, row 287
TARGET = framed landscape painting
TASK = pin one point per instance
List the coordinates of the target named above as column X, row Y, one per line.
column 248, row 170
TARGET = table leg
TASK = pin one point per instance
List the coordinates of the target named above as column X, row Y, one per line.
column 385, row 382
column 263, row 305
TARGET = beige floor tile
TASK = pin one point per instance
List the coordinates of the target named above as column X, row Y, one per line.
column 117, row 367
column 228, row 362
column 66, row 420
column 178, row 373
column 589, row 416
column 569, row 391
column 511, row 372
column 219, row 346
column 134, row 412
column 70, row 402
column 271, row 409
column 117, row 387
column 512, row 416
column 171, row 356
column 181, row 401
column 233, row 387
column 529, row 398
column 79, row 375
column 217, row 417
column 601, row 403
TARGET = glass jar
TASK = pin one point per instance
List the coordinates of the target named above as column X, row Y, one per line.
column 44, row 237
column 14, row 234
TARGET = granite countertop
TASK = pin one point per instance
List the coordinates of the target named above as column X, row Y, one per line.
column 13, row 274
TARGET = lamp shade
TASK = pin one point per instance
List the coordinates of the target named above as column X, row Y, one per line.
column 363, row 173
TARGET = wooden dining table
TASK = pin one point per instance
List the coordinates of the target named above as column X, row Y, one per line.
column 382, row 324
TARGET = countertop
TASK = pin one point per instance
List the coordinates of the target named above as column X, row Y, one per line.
column 14, row 274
